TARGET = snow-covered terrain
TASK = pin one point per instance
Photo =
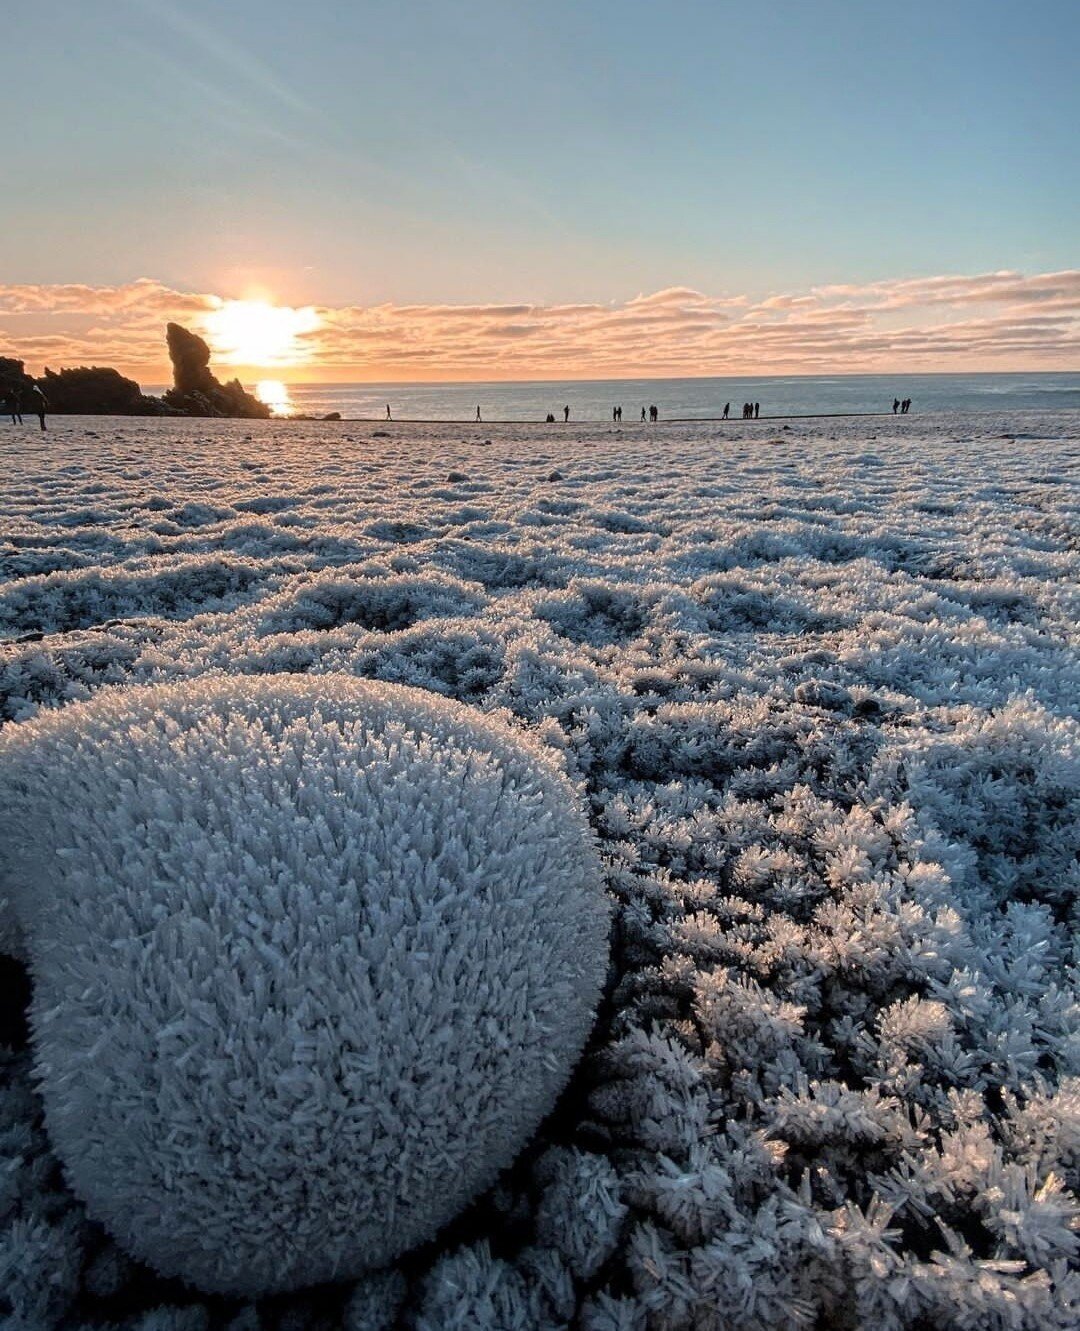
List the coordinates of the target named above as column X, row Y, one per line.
column 819, row 686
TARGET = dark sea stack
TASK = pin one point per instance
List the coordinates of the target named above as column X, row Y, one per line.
column 96, row 390
column 195, row 390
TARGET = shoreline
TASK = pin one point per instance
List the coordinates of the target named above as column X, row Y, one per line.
column 581, row 420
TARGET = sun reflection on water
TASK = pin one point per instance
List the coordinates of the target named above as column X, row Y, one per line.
column 276, row 396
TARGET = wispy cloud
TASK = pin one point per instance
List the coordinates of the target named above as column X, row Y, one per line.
column 961, row 322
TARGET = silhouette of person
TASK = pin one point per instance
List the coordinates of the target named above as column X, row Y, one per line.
column 388, row 416
column 477, row 411
column 907, row 405
column 727, row 408
column 757, row 410
column 566, row 413
column 895, row 404
column 642, row 413
column 16, row 406
column 40, row 405
column 550, row 418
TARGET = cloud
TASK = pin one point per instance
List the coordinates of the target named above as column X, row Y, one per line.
column 1001, row 320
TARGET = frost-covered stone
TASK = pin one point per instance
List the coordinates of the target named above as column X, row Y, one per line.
column 312, row 958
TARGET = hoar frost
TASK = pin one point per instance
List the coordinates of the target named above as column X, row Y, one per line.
column 312, row 957
column 821, row 691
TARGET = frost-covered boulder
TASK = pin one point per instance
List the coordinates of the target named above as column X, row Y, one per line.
column 312, row 957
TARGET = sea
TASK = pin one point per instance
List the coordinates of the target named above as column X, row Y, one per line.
column 703, row 399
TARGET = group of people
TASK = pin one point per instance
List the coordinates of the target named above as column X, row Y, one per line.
column 751, row 411
column 13, row 405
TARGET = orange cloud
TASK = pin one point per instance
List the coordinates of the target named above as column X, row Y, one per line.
column 1003, row 320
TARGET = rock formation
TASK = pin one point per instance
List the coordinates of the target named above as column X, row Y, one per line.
column 96, row 390
column 14, row 380
column 196, row 391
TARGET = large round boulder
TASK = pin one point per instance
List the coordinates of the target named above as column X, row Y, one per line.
column 312, row 957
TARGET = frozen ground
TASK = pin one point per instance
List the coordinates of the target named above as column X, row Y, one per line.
column 820, row 687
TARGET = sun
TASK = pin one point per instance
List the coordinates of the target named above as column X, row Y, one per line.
column 254, row 332
column 275, row 395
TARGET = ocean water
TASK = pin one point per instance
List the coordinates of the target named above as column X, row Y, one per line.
column 779, row 395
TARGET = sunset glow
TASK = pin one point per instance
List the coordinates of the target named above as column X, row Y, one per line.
column 254, row 332
column 276, row 396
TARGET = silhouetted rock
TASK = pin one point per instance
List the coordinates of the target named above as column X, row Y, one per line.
column 96, row 391
column 14, row 380
column 195, row 390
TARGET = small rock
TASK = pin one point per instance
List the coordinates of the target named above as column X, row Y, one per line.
column 823, row 693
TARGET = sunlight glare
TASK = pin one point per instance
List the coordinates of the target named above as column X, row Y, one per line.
column 275, row 395
column 254, row 332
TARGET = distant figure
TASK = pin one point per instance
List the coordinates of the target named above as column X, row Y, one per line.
column 16, row 406
column 757, row 410
column 654, row 414
column 566, row 413
column 905, row 406
column 40, row 404
column 727, row 408
column 388, row 416
column 642, row 413
column 550, row 418
column 478, row 411
column 745, row 410
column 895, row 405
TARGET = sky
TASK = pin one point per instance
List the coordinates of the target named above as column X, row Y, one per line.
column 501, row 189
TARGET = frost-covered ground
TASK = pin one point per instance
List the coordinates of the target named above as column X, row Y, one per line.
column 820, row 688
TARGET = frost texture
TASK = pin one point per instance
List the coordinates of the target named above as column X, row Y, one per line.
column 821, row 689
column 312, row 958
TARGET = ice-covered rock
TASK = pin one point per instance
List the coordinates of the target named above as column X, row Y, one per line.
column 312, row 958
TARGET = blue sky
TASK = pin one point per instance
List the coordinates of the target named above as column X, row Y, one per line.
column 474, row 151
column 540, row 152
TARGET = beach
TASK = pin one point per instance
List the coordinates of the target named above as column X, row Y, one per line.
column 817, row 683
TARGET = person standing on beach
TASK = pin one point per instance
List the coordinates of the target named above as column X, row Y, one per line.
column 40, row 405
column 388, row 416
column 642, row 413
column 757, row 410
column 566, row 413
column 727, row 408
column 895, row 404
column 15, row 402
column 478, row 411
